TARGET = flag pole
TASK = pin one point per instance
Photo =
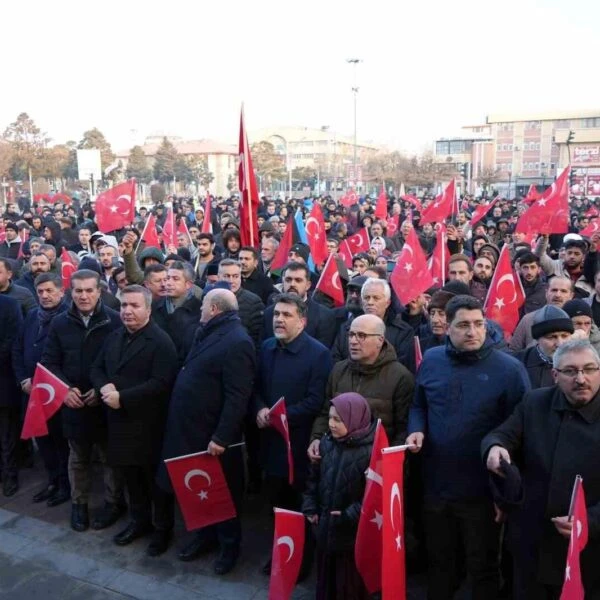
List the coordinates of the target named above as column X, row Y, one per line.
column 200, row 453
column 247, row 179
column 578, row 480
column 393, row 449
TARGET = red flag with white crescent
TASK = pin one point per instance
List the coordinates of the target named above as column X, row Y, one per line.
column 442, row 207
column 532, row 195
column 316, row 236
column 411, row 275
column 279, row 421
column 381, row 206
column 248, row 190
column 591, row 229
column 149, row 234
column 482, row 210
column 392, row 225
column 67, row 268
column 505, row 295
column 438, row 262
column 350, row 198
column 414, row 201
column 368, row 545
column 359, row 242
column 115, row 208
column 330, row 282
column 47, row 396
column 573, row 584
column 288, row 549
column 592, row 212
column 201, row 489
column 393, row 578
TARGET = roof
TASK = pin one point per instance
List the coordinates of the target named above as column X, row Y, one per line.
column 551, row 115
column 186, row 147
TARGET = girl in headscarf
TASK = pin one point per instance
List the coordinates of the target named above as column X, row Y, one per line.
column 334, row 496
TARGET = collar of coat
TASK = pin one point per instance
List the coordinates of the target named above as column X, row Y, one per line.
column 590, row 412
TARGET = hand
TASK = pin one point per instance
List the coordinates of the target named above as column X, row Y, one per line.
column 171, row 249
column 128, row 240
column 595, row 242
column 451, row 232
column 26, row 386
column 73, row 398
column 563, row 526
column 90, row 398
column 111, row 399
column 313, row 451
column 499, row 515
column 579, row 334
column 313, row 519
column 215, row 449
column 262, row 418
column 108, row 387
column 415, row 440
column 493, row 459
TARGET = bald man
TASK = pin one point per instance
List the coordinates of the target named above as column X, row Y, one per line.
column 207, row 410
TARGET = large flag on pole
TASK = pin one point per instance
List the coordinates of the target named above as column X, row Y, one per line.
column 368, row 545
column 316, row 235
column 169, row 232
column 206, row 222
column 115, row 208
column 248, row 190
column 381, row 206
column 393, row 577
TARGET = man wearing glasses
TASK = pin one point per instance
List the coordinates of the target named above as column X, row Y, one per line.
column 552, row 436
column 463, row 390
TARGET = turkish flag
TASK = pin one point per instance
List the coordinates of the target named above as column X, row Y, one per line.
column 183, row 228
column 330, row 282
column 591, row 229
column 418, row 352
column 316, row 236
column 592, row 212
column 393, row 576
column 287, row 241
column 115, row 207
column 573, row 585
column 505, row 295
column 201, row 489
column 381, row 206
column 532, row 195
column 481, row 211
column 150, row 235
column 248, row 190
column 207, row 223
column 550, row 214
column 278, row 420
column 438, row 262
column 442, row 207
column 288, row 548
column 392, row 225
column 169, row 232
column 67, row 268
column 359, row 242
column 47, row 396
column 350, row 198
column 60, row 197
column 414, row 201
column 368, row 545
column 411, row 275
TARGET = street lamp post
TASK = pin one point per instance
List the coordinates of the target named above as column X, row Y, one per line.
column 354, row 62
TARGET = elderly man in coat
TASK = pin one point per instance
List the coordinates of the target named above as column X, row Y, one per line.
column 207, row 411
column 553, row 435
column 134, row 374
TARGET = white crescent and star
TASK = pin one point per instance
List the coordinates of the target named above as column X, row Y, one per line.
column 289, row 542
column 395, row 495
column 335, row 281
column 317, row 232
column 203, row 495
column 508, row 277
column 51, row 391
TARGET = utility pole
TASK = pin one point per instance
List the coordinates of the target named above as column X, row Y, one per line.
column 354, row 62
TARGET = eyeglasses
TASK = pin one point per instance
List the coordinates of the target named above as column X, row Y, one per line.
column 572, row 373
column 361, row 336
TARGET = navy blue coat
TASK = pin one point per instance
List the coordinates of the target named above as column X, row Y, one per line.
column 10, row 324
column 26, row 281
column 459, row 398
column 321, row 323
column 70, row 350
column 29, row 347
column 299, row 372
column 212, row 391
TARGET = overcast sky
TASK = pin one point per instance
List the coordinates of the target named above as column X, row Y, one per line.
column 184, row 67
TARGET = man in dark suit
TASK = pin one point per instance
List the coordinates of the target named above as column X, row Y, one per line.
column 134, row 374
column 207, row 410
column 320, row 320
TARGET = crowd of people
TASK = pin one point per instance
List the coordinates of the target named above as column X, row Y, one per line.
column 176, row 350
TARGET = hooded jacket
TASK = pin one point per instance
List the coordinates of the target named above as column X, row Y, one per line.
column 56, row 232
column 386, row 385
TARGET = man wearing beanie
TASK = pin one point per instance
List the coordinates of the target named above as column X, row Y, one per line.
column 583, row 322
column 9, row 248
column 551, row 328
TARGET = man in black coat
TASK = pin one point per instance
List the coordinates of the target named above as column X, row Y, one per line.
column 207, row 410
column 178, row 313
column 7, row 288
column 10, row 324
column 134, row 374
column 253, row 279
column 39, row 263
column 553, row 435
column 320, row 320
column 74, row 341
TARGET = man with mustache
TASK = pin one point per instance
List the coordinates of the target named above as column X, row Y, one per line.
column 552, row 436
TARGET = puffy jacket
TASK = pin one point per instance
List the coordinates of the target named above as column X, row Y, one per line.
column 337, row 482
column 387, row 386
column 459, row 398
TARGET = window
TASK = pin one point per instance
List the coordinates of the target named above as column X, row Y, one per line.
column 595, row 122
column 510, row 147
column 537, row 146
column 442, row 148
column 562, row 124
column 533, row 124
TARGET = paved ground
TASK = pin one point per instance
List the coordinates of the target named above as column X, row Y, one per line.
column 41, row 557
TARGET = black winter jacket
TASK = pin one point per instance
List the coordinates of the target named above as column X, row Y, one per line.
column 251, row 311
column 337, row 482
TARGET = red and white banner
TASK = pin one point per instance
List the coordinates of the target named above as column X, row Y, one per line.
column 330, row 282
column 67, row 268
column 278, row 420
column 115, row 208
column 288, row 548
